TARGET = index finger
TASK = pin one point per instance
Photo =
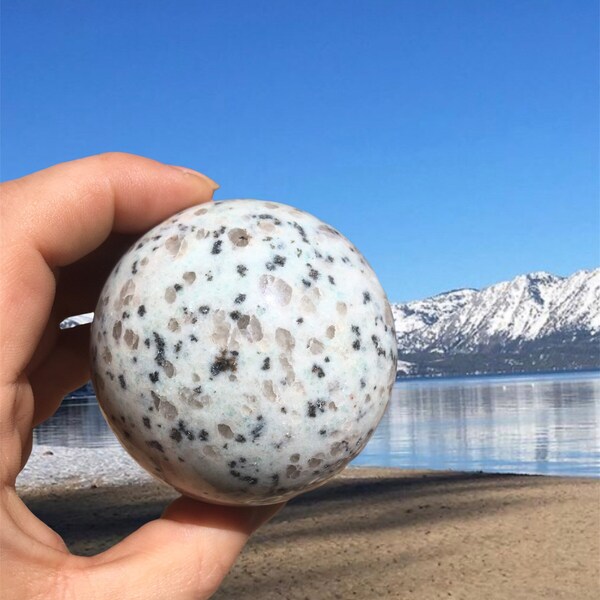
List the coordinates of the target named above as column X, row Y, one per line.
column 68, row 210
column 55, row 217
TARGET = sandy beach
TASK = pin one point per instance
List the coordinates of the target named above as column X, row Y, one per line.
column 376, row 533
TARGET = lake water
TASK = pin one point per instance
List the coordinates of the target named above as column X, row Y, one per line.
column 543, row 424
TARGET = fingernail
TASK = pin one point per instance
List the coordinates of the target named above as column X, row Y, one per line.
column 211, row 183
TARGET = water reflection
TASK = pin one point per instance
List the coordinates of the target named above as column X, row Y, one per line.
column 77, row 423
column 542, row 424
column 546, row 424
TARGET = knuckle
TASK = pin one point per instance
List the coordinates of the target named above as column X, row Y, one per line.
column 113, row 159
column 112, row 156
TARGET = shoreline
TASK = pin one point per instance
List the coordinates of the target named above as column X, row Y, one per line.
column 69, row 467
column 370, row 533
column 571, row 374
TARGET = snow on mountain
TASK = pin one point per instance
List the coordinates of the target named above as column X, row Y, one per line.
column 405, row 368
column 529, row 307
column 77, row 320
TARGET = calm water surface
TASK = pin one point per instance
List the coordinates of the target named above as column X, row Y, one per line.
column 546, row 424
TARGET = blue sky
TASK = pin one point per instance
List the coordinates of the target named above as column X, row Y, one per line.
column 455, row 143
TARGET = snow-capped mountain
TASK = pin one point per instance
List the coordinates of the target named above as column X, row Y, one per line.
column 537, row 310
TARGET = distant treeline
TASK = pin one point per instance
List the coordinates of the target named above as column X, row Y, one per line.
column 554, row 353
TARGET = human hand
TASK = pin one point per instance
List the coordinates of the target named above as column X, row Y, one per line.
column 62, row 230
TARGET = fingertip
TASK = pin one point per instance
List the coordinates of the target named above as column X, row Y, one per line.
column 212, row 184
column 245, row 519
column 263, row 514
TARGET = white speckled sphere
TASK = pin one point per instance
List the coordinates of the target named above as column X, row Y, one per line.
column 243, row 352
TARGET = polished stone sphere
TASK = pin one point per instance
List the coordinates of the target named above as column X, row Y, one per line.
column 243, row 352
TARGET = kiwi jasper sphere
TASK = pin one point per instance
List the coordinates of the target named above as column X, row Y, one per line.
column 243, row 352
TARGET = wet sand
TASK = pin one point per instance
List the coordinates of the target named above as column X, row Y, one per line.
column 382, row 533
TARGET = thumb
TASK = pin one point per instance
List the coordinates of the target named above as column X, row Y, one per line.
column 184, row 555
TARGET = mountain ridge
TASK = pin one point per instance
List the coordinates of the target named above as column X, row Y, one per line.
column 533, row 321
